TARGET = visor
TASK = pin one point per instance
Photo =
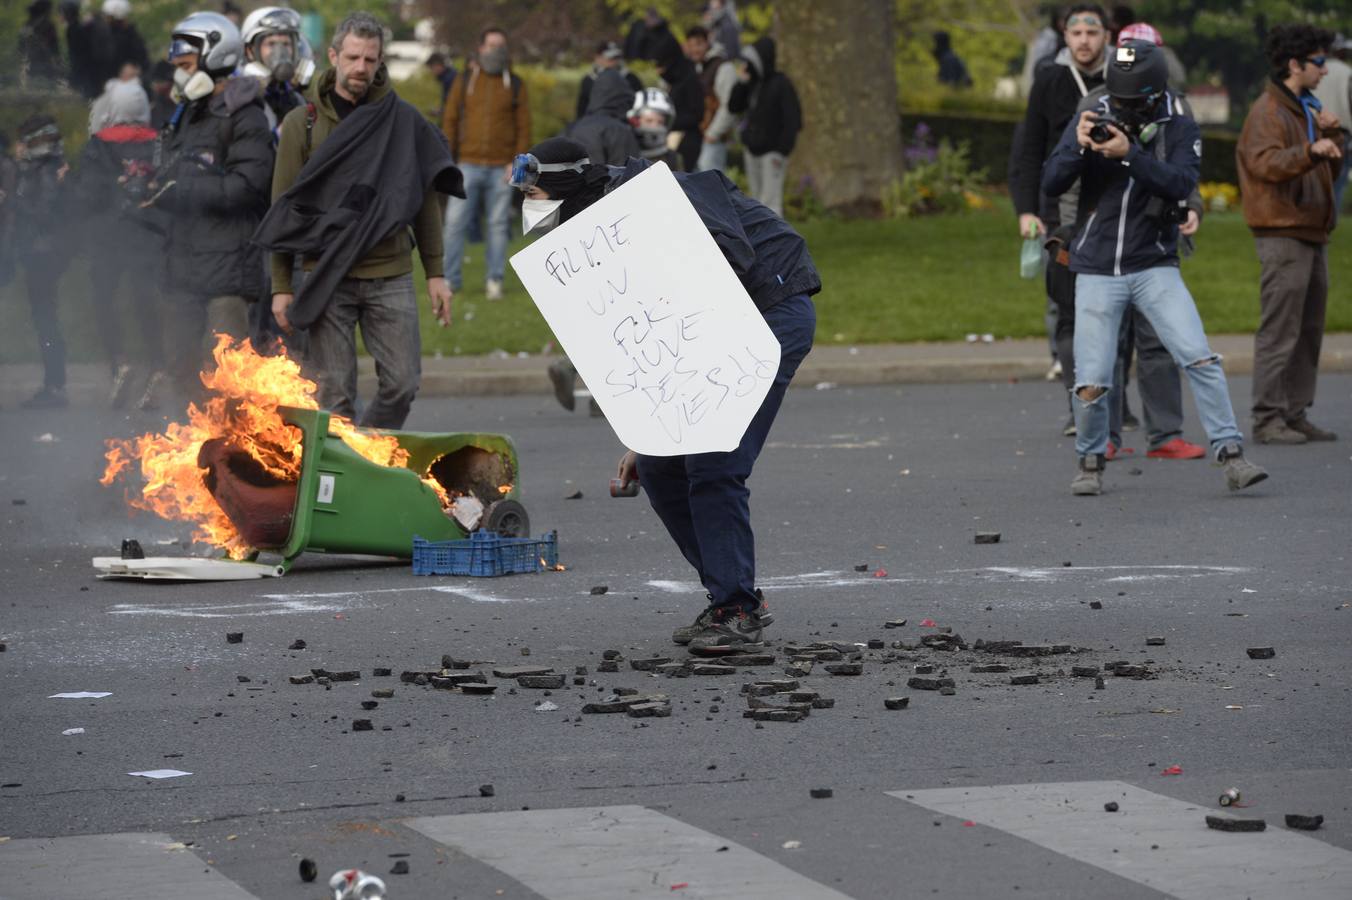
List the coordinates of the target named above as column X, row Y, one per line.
column 183, row 46
column 526, row 169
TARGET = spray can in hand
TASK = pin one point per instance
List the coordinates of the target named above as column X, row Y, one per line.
column 621, row 488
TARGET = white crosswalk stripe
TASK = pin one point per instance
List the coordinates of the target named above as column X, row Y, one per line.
column 617, row 851
column 1154, row 840
column 144, row 866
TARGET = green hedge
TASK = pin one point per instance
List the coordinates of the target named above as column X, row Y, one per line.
column 990, row 137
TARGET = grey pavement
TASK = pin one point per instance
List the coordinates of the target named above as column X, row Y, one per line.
column 996, row 791
column 920, row 363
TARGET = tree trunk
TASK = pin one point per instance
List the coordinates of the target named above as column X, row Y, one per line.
column 840, row 57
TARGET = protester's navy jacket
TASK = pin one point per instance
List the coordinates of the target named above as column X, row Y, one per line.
column 1115, row 235
column 369, row 178
column 768, row 256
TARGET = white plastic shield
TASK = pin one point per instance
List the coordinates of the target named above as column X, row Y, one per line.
column 653, row 317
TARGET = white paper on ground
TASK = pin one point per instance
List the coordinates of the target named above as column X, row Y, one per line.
column 161, row 773
column 73, row 731
column 81, row 695
column 654, row 319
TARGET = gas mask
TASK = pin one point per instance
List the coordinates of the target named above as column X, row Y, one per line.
column 42, row 145
column 1137, row 117
column 540, row 215
column 281, row 61
column 652, row 141
column 192, row 87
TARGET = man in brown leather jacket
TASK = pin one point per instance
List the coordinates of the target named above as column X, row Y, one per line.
column 1289, row 156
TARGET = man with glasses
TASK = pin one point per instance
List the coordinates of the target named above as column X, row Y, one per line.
column 1289, row 155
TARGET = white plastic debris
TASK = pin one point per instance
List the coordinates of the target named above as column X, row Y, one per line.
column 70, row 731
column 47, row 438
column 161, row 773
column 547, row 707
column 80, row 695
column 468, row 511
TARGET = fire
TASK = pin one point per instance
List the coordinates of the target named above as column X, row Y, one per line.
column 245, row 391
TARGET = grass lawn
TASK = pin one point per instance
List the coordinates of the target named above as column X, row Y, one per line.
column 930, row 279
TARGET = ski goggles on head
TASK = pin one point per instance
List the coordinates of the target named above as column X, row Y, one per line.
column 526, row 169
column 1088, row 19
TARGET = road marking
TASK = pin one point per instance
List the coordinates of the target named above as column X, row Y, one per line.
column 109, row 865
column 1193, row 862
column 1143, row 573
column 274, row 605
column 783, row 582
column 617, row 851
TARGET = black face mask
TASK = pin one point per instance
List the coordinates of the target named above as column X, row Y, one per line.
column 1134, row 114
column 584, row 189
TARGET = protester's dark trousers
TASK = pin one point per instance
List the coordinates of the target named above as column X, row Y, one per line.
column 703, row 500
column 42, row 276
column 1294, row 293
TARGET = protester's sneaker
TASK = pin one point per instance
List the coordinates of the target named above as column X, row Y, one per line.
column 1055, row 371
column 1088, row 480
column 729, row 633
column 1177, row 449
column 686, row 633
column 1278, row 432
column 47, row 398
column 1069, row 429
column 493, row 289
column 1114, row 451
column 1239, row 472
column 1311, row 431
column 150, row 398
column 564, row 378
column 117, row 394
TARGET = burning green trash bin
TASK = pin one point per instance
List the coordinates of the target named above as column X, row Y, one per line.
column 343, row 503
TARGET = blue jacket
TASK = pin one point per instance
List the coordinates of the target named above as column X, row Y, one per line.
column 1117, row 234
column 768, row 256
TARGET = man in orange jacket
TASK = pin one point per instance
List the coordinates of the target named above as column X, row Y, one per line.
column 487, row 122
column 1289, row 155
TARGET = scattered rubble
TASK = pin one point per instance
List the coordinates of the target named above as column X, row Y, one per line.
column 1026, row 678
column 362, row 725
column 1110, row 806
column 1154, row 642
column 308, row 870
column 599, row 590
column 897, row 702
column 297, row 644
column 1225, row 823
column 486, row 790
column 1261, row 652
column 234, row 637
column 1304, row 823
column 821, row 793
column 541, row 682
column 987, row 537
column 920, row 683
column 400, row 867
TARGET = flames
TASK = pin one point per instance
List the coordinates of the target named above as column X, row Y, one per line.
column 245, row 391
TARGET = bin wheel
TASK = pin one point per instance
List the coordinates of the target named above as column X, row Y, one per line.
column 507, row 518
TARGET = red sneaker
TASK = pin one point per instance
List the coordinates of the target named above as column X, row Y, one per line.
column 1177, row 449
column 1113, row 450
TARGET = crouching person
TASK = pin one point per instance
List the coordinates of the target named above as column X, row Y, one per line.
column 1136, row 170
column 703, row 499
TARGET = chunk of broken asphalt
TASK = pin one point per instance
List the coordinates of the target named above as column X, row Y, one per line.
column 776, row 715
column 599, row 590
column 297, row 644
column 1261, row 652
column 362, row 725
column 541, row 682
column 234, row 637
column 712, row 669
column 608, row 665
column 846, row 668
column 605, row 706
column 921, row 683
column 1024, row 678
column 383, row 693
column 895, row 623
column 1099, row 683
column 518, row 671
column 308, row 870
column 382, row 673
column 400, row 867
column 876, row 644
column 821, row 793
column 471, row 687
column 650, row 710
column 1154, row 641
column 823, row 702
column 1110, row 806
column 1084, row 671
column 948, row 690
column 990, row 668
column 897, row 702
column 748, row 660
column 1304, row 823
column 924, row 669
column 369, row 704
column 486, row 790
column 647, row 665
column 302, row 679
column 1225, row 823
column 1096, row 604
column 575, row 495
column 862, row 567
column 987, row 537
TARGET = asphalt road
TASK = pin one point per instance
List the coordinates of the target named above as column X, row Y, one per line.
column 705, row 803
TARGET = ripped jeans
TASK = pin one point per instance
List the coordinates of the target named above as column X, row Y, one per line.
column 1161, row 296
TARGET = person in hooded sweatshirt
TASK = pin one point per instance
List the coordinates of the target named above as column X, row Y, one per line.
column 773, row 120
column 605, row 130
column 112, row 178
column 703, row 499
column 213, row 180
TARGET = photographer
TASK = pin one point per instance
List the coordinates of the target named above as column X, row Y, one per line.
column 1137, row 163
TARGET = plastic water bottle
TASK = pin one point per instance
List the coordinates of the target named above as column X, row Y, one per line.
column 1030, row 257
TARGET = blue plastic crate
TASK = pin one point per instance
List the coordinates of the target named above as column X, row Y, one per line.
column 486, row 554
